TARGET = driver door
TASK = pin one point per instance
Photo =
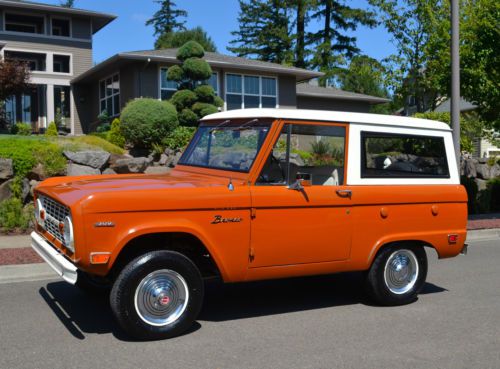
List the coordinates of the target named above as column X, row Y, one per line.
column 311, row 224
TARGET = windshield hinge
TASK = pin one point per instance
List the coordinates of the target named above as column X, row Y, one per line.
column 253, row 213
column 251, row 254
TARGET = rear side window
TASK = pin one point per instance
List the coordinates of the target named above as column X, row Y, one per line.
column 389, row 155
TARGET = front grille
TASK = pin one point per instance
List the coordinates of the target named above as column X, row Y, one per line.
column 54, row 215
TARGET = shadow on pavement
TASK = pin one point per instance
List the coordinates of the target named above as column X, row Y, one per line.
column 82, row 314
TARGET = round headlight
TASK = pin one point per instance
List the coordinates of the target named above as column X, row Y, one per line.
column 69, row 241
column 39, row 212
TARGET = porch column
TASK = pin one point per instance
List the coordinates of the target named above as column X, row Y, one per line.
column 50, row 105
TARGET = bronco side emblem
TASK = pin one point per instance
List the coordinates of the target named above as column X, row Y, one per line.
column 219, row 219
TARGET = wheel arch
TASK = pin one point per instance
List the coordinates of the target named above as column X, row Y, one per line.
column 383, row 244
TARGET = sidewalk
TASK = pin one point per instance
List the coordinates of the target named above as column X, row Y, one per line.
column 16, row 250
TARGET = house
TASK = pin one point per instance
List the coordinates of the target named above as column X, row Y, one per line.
column 109, row 85
column 56, row 42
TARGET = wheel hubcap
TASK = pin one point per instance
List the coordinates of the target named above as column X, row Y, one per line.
column 401, row 271
column 161, row 297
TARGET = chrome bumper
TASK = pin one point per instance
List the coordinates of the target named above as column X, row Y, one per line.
column 62, row 266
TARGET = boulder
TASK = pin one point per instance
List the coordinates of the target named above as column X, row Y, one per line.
column 94, row 159
column 163, row 160
column 5, row 191
column 175, row 159
column 483, row 171
column 37, row 173
column 130, row 165
column 169, row 152
column 482, row 160
column 495, row 171
column 33, row 185
column 481, row 184
column 6, row 169
column 25, row 189
column 80, row 170
column 157, row 170
column 114, row 157
column 470, row 168
column 108, row 171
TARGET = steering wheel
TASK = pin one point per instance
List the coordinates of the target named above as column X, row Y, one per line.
column 273, row 162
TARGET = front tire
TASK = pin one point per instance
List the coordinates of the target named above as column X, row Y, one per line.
column 157, row 295
column 397, row 275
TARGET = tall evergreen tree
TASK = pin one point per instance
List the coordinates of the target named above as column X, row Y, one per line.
column 264, row 31
column 68, row 3
column 166, row 19
column 333, row 44
column 302, row 9
column 179, row 38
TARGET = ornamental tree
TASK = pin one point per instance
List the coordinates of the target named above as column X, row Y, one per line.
column 194, row 98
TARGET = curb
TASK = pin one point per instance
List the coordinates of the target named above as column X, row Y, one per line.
column 483, row 234
column 26, row 273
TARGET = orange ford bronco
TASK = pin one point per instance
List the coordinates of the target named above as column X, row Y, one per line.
column 260, row 194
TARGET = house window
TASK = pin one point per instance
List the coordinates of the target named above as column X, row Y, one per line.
column 35, row 61
column 168, row 88
column 60, row 27
column 109, row 95
column 24, row 23
column 61, row 63
column 62, row 103
column 244, row 91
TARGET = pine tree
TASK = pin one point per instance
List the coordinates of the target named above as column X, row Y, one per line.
column 177, row 39
column 333, row 46
column 302, row 8
column 264, row 31
column 166, row 20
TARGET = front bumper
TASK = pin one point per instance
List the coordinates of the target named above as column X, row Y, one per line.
column 62, row 266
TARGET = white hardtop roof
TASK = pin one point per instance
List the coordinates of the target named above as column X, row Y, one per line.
column 330, row 116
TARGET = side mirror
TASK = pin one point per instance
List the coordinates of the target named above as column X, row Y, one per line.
column 302, row 180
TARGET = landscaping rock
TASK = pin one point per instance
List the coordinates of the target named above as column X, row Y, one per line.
column 470, row 168
column 5, row 191
column 481, row 184
column 6, row 169
column 37, row 173
column 163, row 160
column 114, row 157
column 175, row 159
column 157, row 170
column 25, row 189
column 495, row 171
column 130, row 165
column 94, row 159
column 482, row 160
column 80, row 170
column 33, row 185
column 483, row 171
column 108, row 171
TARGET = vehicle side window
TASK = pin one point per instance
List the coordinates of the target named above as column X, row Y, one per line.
column 402, row 156
column 316, row 152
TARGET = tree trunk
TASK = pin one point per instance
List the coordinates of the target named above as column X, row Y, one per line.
column 300, row 46
column 327, row 41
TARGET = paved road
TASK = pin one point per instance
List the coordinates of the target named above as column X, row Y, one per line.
column 303, row 323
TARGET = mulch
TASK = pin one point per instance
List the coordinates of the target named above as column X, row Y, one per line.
column 25, row 255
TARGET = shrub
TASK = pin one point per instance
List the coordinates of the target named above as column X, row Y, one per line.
column 20, row 150
column 188, row 118
column 218, row 102
column 115, row 135
column 205, row 93
column 493, row 187
column 103, row 128
column 175, row 73
column 471, row 189
column 183, row 99
column 197, row 69
column 189, row 50
column 51, row 129
column 179, row 137
column 52, row 159
column 202, row 109
column 147, row 121
column 22, row 129
column 14, row 216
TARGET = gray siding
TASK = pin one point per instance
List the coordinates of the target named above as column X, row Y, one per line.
column 286, row 92
column 317, row 103
column 1, row 20
column 81, row 28
column 148, row 80
column 128, row 85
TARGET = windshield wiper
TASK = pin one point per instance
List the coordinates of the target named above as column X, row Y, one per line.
column 245, row 125
column 227, row 121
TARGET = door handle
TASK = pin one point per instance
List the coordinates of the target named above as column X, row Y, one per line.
column 344, row 193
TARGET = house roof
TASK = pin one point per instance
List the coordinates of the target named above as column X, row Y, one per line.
column 307, row 90
column 214, row 59
column 464, row 105
column 330, row 116
column 99, row 20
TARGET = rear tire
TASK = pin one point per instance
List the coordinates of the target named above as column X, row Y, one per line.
column 157, row 295
column 397, row 275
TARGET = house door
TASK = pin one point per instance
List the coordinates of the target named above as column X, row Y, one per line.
column 306, row 220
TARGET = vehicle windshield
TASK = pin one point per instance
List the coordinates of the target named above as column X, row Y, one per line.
column 226, row 145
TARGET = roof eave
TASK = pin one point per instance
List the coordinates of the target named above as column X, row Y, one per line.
column 369, row 99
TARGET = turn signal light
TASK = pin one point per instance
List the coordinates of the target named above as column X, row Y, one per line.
column 99, row 257
column 452, row 238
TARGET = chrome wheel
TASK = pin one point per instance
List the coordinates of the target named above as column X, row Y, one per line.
column 401, row 271
column 161, row 297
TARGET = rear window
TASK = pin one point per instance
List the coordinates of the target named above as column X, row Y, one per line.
column 402, row 156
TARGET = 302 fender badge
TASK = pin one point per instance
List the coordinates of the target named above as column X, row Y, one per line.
column 104, row 224
column 219, row 219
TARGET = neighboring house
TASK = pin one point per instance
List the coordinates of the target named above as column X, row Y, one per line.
column 57, row 43
column 482, row 147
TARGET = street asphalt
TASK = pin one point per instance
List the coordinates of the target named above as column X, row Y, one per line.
column 320, row 322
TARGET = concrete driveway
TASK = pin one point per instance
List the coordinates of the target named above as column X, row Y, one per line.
column 320, row 322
